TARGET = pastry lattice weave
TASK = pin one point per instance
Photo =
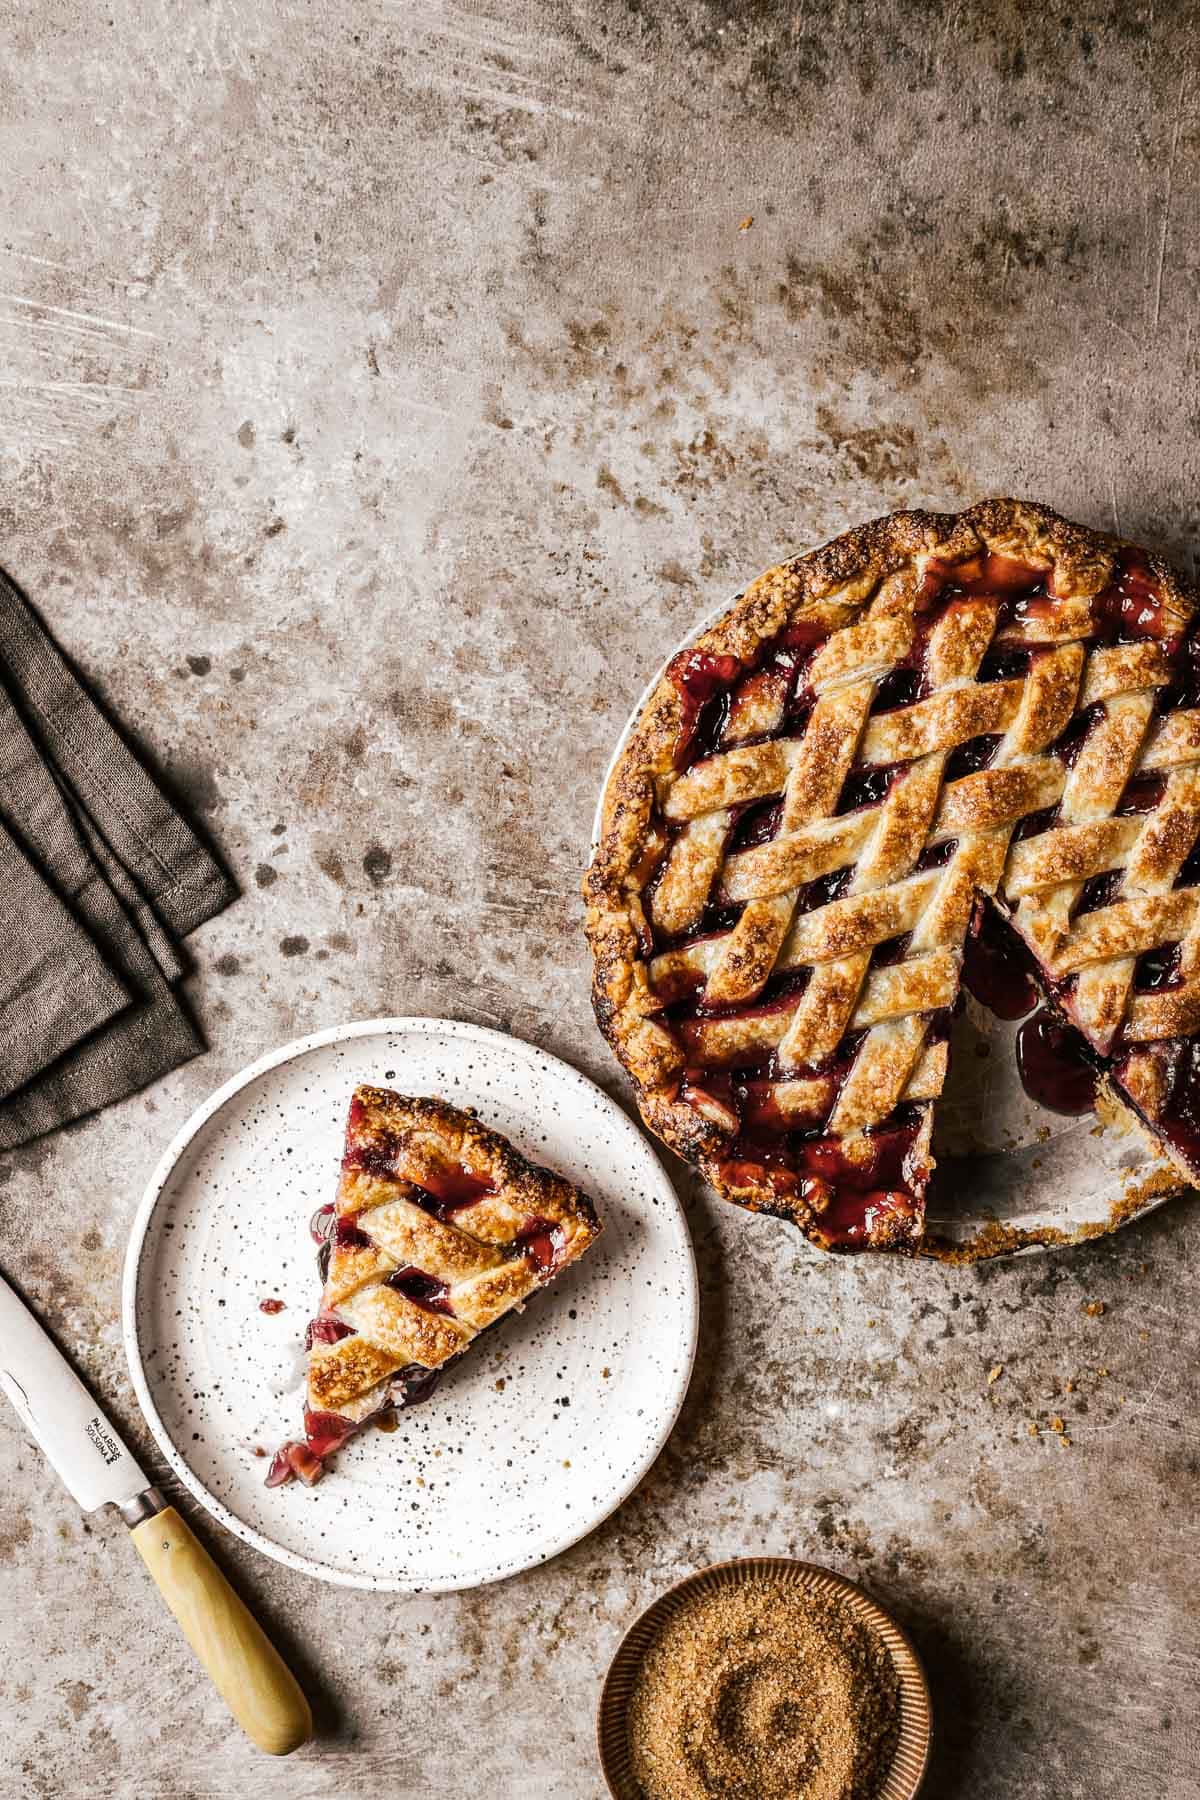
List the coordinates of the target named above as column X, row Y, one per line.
column 929, row 710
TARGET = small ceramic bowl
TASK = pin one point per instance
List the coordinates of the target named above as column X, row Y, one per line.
column 916, row 1721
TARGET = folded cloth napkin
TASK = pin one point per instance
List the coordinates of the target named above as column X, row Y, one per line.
column 99, row 876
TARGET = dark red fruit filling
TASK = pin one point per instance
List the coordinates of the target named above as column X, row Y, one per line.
column 997, row 968
column 1077, row 733
column 378, row 1158
column 334, row 1233
column 892, row 950
column 853, row 1221
column 701, row 677
column 1185, row 685
column 792, row 1162
column 823, row 891
column 1131, row 605
column 291, row 1460
column 757, row 824
column 864, row 787
column 1179, row 1119
column 972, row 756
column 1055, row 1064
column 423, row 1290
column 1033, row 824
column 326, row 1431
column 936, row 856
column 325, row 1329
column 1098, row 891
column 1142, row 794
column 704, row 682
column 445, row 1192
column 1157, row 969
column 890, row 1145
column 271, row 1306
column 898, row 689
column 990, row 574
column 806, row 636
column 415, row 1383
column 1005, row 664
column 543, row 1242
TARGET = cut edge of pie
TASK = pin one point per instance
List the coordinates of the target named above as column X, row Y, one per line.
column 819, row 791
column 439, row 1228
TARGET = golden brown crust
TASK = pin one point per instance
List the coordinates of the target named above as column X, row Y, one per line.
column 861, row 588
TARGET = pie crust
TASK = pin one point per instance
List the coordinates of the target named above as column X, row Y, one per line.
column 439, row 1228
column 800, row 831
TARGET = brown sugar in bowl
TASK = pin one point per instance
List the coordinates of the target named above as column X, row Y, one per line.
column 911, row 1754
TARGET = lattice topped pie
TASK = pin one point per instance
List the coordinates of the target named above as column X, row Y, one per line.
column 440, row 1227
column 799, row 833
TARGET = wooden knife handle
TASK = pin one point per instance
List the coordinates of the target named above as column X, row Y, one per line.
column 244, row 1666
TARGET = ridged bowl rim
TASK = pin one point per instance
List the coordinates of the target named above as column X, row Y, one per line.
column 911, row 1758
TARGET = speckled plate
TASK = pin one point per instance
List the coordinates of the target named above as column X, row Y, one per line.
column 546, row 1425
column 1012, row 1177
column 911, row 1757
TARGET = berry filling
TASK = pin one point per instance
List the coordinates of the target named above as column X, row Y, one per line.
column 1178, row 1119
column 1158, row 969
column 326, row 1432
column 997, row 968
column 1098, row 891
column 854, row 1221
column 1055, row 1064
column 446, row 1191
column 423, row 1290
column 864, row 787
column 1077, row 733
column 972, row 756
column 757, row 824
column 543, row 1243
column 1131, row 605
column 704, row 682
column 1142, row 794
column 325, row 1329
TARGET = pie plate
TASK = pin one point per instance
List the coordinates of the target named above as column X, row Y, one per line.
column 1012, row 1176
column 545, row 1427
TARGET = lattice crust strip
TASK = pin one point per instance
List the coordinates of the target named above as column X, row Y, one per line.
column 1048, row 735
column 439, row 1228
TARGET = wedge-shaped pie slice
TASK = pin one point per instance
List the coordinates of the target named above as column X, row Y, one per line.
column 930, row 715
column 439, row 1228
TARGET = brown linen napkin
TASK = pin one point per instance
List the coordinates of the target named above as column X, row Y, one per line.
column 98, row 875
column 55, row 987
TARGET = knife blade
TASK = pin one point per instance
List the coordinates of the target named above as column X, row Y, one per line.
column 81, row 1445
column 94, row 1464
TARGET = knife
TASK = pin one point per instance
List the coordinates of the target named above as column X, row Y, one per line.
column 89, row 1457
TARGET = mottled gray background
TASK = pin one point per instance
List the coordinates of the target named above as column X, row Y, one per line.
column 385, row 389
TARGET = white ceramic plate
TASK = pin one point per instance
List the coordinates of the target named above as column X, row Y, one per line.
column 546, row 1425
column 1012, row 1176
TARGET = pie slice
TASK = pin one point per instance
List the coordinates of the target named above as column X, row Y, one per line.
column 439, row 1228
column 931, row 715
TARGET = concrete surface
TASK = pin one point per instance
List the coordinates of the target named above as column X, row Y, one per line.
column 386, row 388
